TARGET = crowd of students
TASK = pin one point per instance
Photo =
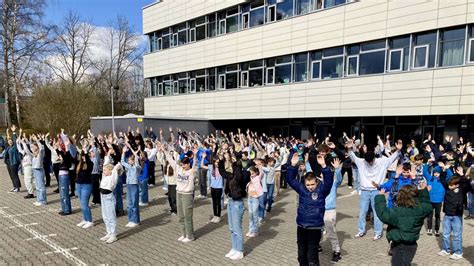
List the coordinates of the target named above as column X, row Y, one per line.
column 418, row 181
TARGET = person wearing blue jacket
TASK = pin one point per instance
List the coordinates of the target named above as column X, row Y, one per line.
column 436, row 196
column 12, row 160
column 310, row 214
column 132, row 168
column 394, row 184
column 143, row 179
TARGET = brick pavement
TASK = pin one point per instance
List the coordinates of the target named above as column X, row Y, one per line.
column 38, row 235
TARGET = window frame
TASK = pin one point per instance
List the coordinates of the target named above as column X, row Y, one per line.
column 190, row 90
column 219, row 76
column 244, row 26
column 402, row 55
column 192, row 35
column 266, row 75
column 175, row 87
column 268, row 13
column 320, row 61
column 242, row 73
column 349, row 57
column 220, row 27
column 470, row 45
column 160, row 89
column 427, row 47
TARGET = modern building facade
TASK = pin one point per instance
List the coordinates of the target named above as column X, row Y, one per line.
column 313, row 66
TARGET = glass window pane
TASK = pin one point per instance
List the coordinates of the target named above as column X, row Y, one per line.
column 332, row 68
column 372, row 63
column 256, row 63
column 401, row 42
column 211, row 81
column 166, row 41
column 200, row 84
column 167, row 87
column 244, row 79
column 284, row 9
column 333, row 51
column 232, row 24
column 316, row 55
column 471, row 53
column 425, row 38
column 455, row 34
column 352, row 66
column 395, row 60
column 373, row 45
column 244, row 66
column 183, row 86
column 270, row 76
column 256, row 77
column 331, row 3
column 301, row 67
column 257, row 3
column 283, row 74
column 316, row 70
column 302, row 6
column 182, row 37
column 452, row 53
column 231, row 80
column 200, row 32
column 232, row 67
column 353, row 49
column 420, row 57
column 283, row 59
column 257, row 17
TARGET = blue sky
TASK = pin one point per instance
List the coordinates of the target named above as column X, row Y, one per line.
column 101, row 12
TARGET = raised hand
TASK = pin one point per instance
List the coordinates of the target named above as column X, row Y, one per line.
column 399, row 145
column 349, row 144
column 336, row 163
column 321, row 161
column 399, row 170
column 295, row 159
column 460, row 171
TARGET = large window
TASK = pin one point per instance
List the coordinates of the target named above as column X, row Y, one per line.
column 211, row 80
column 332, row 62
column 452, row 47
column 211, row 26
column 167, row 85
column 302, row 6
column 257, row 13
column 424, row 50
column 200, row 28
column 232, row 20
column 398, row 54
column 301, row 67
column 228, row 76
column 166, row 38
column 256, row 73
column 372, row 58
column 316, row 60
column 331, row 3
column 284, row 9
column 281, row 69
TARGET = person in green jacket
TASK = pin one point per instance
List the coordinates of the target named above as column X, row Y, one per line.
column 404, row 221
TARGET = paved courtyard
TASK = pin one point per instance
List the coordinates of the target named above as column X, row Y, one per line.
column 38, row 235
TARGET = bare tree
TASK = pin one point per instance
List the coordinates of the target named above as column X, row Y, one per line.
column 24, row 38
column 73, row 42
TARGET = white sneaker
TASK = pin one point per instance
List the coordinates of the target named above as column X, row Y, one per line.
column 37, row 203
column 88, row 225
column 133, row 225
column 186, row 240
column 81, row 223
column 218, row 219
column 111, row 240
column 213, row 220
column 181, row 238
column 237, row 256
column 444, row 253
column 456, row 256
column 105, row 238
column 252, row 235
column 128, row 225
column 142, row 204
column 231, row 253
column 353, row 192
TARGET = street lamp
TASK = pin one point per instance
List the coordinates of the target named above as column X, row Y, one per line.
column 112, row 88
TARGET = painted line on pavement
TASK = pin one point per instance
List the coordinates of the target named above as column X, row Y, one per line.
column 22, row 225
column 57, row 251
column 40, row 237
column 48, row 242
column 23, row 214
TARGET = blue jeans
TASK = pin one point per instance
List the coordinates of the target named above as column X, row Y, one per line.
column 269, row 197
column 367, row 198
column 253, row 214
column 355, row 175
column 143, row 190
column 84, row 192
column 452, row 223
column 261, row 205
column 64, row 193
column 107, row 204
column 118, row 192
column 235, row 212
column 471, row 203
column 132, row 203
column 38, row 174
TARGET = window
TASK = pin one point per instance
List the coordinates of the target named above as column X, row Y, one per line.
column 152, row 83
column 221, row 81
column 421, row 56
column 372, row 58
column 153, row 42
column 232, row 20
column 282, row 69
column 199, row 77
column 244, row 82
column 271, row 14
column 211, row 26
column 256, row 73
column 160, row 89
column 331, row 62
column 211, row 83
column 301, row 67
column 183, row 85
column 221, row 26
column 398, row 56
column 302, row 6
column 231, row 76
column 167, row 87
column 424, row 44
column 201, row 28
column 192, row 35
column 257, row 13
column 182, row 34
column 175, row 87
column 192, row 85
column 174, row 39
column 395, row 60
column 270, row 75
column 316, row 4
column 316, row 69
column 353, row 65
column 245, row 20
column 331, row 3
column 166, row 39
column 471, row 45
column 452, row 47
column 284, row 9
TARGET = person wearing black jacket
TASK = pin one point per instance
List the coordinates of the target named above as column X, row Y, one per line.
column 235, row 191
column 84, row 188
column 453, row 210
column 65, row 160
